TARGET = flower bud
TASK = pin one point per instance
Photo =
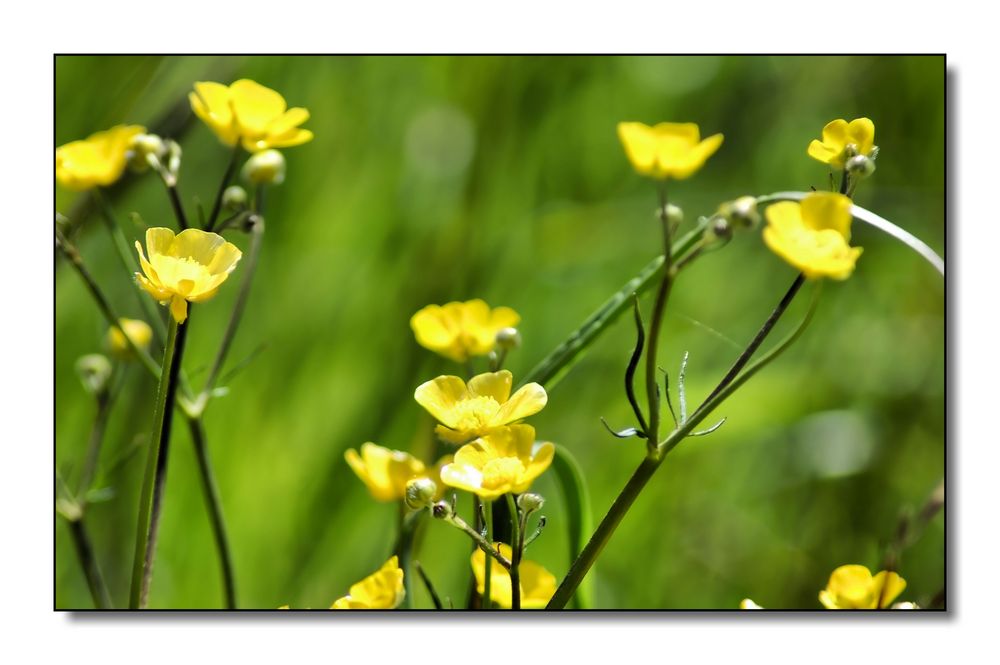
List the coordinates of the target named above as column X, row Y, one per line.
column 741, row 213
column 905, row 606
column 94, row 371
column 529, row 502
column 138, row 331
column 442, row 510
column 141, row 147
column 674, row 215
column 234, row 198
column 265, row 168
column 860, row 166
column 747, row 604
column 420, row 493
column 174, row 160
column 508, row 338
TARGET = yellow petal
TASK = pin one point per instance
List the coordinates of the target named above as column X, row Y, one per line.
column 537, row 585
column 822, row 152
column 888, row 585
column 835, row 134
column 178, row 309
column 540, row 461
column 696, row 158
column 527, row 401
column 255, row 106
column 159, row 240
column 687, row 132
column 492, row 384
column 289, row 120
column 827, row 210
column 439, row 397
column 640, row 145
column 861, row 132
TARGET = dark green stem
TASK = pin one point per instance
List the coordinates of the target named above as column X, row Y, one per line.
column 515, row 557
column 104, row 402
column 156, row 466
column 404, row 548
column 214, row 502
column 655, row 323
column 487, row 564
column 91, row 570
column 427, row 584
column 217, row 205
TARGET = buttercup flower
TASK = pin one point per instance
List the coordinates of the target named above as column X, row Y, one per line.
column 667, row 150
column 385, row 472
column 248, row 112
column 138, row 331
column 537, row 584
column 382, row 590
column 852, row 587
column 187, row 267
column 467, row 412
column 459, row 330
column 97, row 161
column 506, row 460
column 838, row 135
column 813, row 235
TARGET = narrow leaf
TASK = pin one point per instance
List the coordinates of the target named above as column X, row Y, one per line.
column 579, row 521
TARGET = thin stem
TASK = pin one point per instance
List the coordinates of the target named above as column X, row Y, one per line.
column 515, row 557
column 487, row 564
column 156, row 466
column 91, row 570
column 759, row 338
column 256, row 237
column 217, row 205
column 656, row 321
column 71, row 253
column 427, row 585
column 404, row 548
column 485, row 545
column 93, row 453
column 214, row 501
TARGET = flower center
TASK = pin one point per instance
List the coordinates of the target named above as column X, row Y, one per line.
column 179, row 274
column 474, row 413
column 502, row 471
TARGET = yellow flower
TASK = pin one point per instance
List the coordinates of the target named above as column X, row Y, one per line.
column 97, row 161
column 189, row 266
column 537, row 584
column 247, row 111
column 667, row 150
column 840, row 134
column 852, row 587
column 138, row 331
column 382, row 590
column 385, row 472
column 459, row 330
column 467, row 412
column 813, row 235
column 503, row 461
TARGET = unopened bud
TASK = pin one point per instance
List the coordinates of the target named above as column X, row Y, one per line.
column 138, row 331
column 508, row 338
column 94, row 371
column 141, row 147
column 174, row 158
column 265, row 168
column 420, row 493
column 905, row 606
column 529, row 502
column 234, row 198
column 674, row 215
column 741, row 213
column 442, row 510
column 860, row 166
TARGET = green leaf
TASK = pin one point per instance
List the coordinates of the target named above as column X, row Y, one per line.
column 579, row 520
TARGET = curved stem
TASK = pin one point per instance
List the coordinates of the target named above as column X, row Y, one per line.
column 150, row 502
column 227, row 176
column 214, row 502
column 656, row 321
column 487, row 564
column 515, row 556
column 104, row 402
column 91, row 570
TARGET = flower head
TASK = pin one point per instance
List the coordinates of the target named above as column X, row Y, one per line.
column 382, row 590
column 505, row 460
column 852, row 587
column 537, row 584
column 813, row 235
column 459, row 330
column 485, row 404
column 248, row 112
column 138, row 331
column 187, row 267
column 97, row 161
column 667, row 150
column 843, row 140
column 386, row 472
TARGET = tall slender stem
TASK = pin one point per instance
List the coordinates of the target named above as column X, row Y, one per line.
column 156, row 465
column 656, row 321
column 214, row 501
column 91, row 570
column 515, row 556
column 227, row 176
column 488, row 565
column 403, row 549
column 89, row 470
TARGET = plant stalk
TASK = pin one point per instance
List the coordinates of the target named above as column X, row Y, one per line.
column 91, row 570
column 217, row 205
column 515, row 556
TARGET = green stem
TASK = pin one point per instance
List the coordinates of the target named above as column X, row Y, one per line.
column 623, row 502
column 91, row 570
column 656, row 321
column 227, row 176
column 515, row 557
column 427, row 584
column 214, row 501
column 89, row 470
column 558, row 362
column 488, row 565
column 156, row 466
column 403, row 550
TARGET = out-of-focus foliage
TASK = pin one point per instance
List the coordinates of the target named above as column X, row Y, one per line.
column 434, row 179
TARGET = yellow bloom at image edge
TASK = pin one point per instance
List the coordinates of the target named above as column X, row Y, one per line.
column 853, row 587
column 838, row 135
column 537, row 584
column 97, row 161
column 460, row 330
column 247, row 112
column 382, row 590
column 813, row 235
column 667, row 150
column 187, row 267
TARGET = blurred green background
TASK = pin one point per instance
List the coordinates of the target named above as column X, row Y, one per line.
column 440, row 178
